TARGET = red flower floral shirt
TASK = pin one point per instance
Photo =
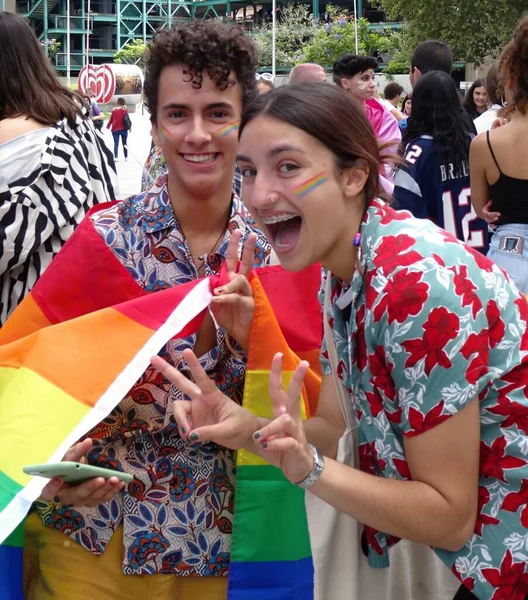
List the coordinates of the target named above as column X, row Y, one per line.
column 426, row 326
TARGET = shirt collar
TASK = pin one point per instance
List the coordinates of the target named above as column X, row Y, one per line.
column 158, row 214
column 375, row 213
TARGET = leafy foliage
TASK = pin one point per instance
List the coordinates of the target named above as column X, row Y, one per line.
column 338, row 36
column 475, row 29
column 131, row 53
column 295, row 29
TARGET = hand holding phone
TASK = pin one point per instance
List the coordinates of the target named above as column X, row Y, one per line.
column 90, row 493
column 74, row 472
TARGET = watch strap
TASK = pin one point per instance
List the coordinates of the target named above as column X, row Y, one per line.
column 316, row 471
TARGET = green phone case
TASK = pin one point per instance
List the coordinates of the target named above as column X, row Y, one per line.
column 73, row 472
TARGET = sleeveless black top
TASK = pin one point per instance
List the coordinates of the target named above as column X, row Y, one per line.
column 509, row 195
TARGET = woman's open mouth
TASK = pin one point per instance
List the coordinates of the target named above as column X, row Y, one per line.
column 284, row 231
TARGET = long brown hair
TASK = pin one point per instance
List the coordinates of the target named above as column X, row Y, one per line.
column 28, row 85
column 514, row 64
column 330, row 115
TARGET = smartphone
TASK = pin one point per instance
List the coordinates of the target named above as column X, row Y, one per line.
column 73, row 472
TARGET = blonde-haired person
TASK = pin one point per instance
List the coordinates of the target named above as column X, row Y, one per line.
column 499, row 170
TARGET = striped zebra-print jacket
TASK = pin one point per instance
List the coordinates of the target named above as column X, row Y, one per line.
column 39, row 212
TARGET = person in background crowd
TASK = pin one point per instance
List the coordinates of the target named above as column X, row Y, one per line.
column 199, row 76
column 434, row 55
column 395, row 91
column 433, row 183
column 431, row 343
column 53, row 165
column 355, row 75
column 93, row 112
column 307, row 72
column 499, row 169
column 407, row 105
column 476, row 99
column 120, row 127
column 265, row 82
column 91, row 95
column 392, row 93
column 494, row 91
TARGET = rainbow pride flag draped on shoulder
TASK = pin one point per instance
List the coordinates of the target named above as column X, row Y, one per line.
column 87, row 316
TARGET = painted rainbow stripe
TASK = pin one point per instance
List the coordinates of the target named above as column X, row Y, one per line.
column 74, row 324
column 309, row 185
column 229, row 128
column 164, row 132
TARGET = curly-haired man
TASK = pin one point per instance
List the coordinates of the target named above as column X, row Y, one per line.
column 99, row 540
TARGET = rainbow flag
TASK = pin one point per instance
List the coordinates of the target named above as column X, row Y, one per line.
column 279, row 566
column 87, row 315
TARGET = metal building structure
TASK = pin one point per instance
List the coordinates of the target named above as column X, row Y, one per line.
column 98, row 28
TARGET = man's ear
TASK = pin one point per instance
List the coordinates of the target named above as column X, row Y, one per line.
column 345, row 83
column 155, row 134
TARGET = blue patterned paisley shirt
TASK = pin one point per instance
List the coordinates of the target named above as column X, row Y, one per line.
column 176, row 515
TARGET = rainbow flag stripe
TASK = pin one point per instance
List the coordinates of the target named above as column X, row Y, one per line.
column 87, row 315
column 280, row 566
column 310, row 185
column 229, row 128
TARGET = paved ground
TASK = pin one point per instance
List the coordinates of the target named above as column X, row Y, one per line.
column 139, row 141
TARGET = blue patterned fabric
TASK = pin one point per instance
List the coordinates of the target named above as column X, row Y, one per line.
column 177, row 513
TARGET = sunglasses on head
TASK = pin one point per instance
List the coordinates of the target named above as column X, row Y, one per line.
column 265, row 76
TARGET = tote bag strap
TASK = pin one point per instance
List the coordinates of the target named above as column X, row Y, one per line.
column 342, row 393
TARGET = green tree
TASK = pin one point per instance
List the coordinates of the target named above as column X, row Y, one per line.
column 52, row 49
column 295, row 29
column 131, row 53
column 338, row 36
column 475, row 29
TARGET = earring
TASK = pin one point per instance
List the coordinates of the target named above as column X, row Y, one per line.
column 503, row 100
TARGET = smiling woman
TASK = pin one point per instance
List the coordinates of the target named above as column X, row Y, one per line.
column 300, row 172
column 425, row 349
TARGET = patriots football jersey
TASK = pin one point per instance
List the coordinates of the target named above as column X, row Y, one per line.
column 437, row 192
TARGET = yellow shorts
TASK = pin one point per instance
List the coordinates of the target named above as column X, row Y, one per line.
column 56, row 567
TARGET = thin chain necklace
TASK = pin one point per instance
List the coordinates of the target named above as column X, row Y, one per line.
column 198, row 269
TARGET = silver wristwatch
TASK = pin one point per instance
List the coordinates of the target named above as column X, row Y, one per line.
column 315, row 473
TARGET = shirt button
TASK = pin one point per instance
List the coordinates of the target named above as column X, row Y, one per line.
column 368, row 420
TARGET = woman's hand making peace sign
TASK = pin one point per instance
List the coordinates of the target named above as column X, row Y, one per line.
column 209, row 415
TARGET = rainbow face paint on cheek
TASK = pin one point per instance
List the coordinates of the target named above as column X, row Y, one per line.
column 164, row 133
column 229, row 128
column 309, row 185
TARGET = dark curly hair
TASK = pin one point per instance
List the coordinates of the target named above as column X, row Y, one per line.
column 209, row 46
column 514, row 64
column 392, row 90
column 351, row 64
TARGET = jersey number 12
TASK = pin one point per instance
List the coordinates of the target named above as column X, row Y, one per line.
column 475, row 239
